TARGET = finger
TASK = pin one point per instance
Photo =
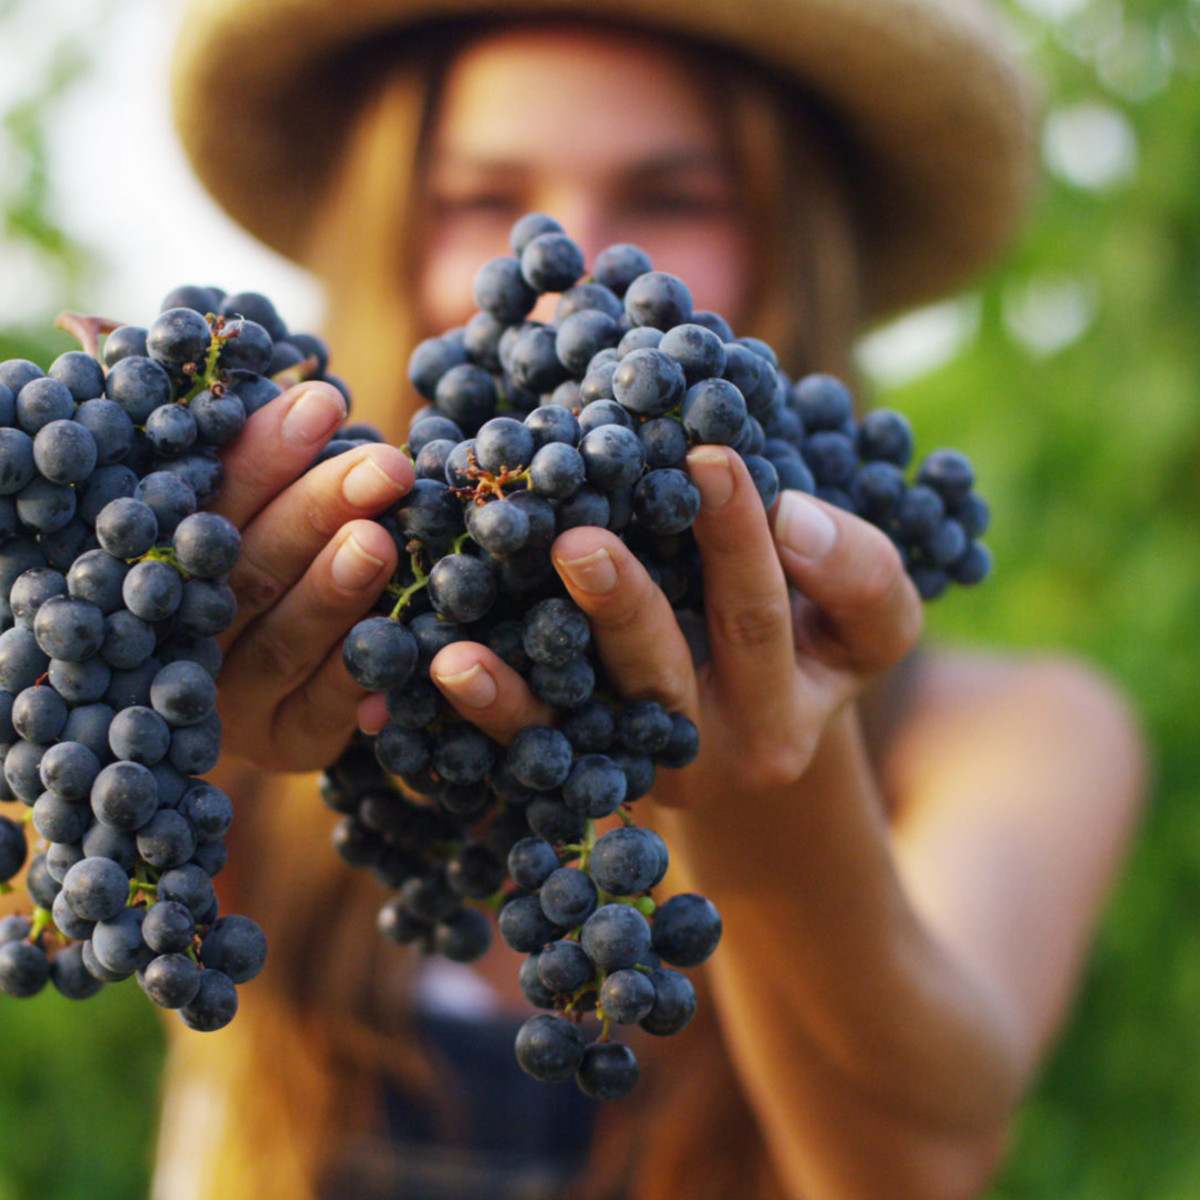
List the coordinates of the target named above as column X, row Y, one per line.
column 373, row 714
column 486, row 691
column 281, row 651
column 637, row 636
column 746, row 601
column 863, row 611
column 282, row 541
column 278, row 444
column 315, row 721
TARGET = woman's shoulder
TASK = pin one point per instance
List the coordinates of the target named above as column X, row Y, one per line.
column 967, row 713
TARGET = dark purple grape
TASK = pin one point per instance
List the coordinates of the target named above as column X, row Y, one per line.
column 627, row 996
column 582, row 335
column 380, row 653
column 170, row 980
column 70, row 977
column 168, row 928
column 80, row 372
column 539, row 757
column 13, row 849
column 564, row 968
column 42, row 401
column 615, row 936
column 568, row 897
column 713, row 411
column 617, row 266
column 139, row 385
column 124, row 342
column 549, row 1048
column 124, row 796
column 24, row 969
column 686, row 930
column 551, row 262
column 64, row 451
column 501, row 527
column 666, row 501
column 502, row 290
column 235, row 946
column 626, row 861
column 949, row 473
column 524, row 926
column 533, row 362
column 552, row 423
column 609, row 1071
column 96, row 889
column 674, row 1003
column 255, row 307
column 214, row 1005
column 17, row 467
column 179, row 339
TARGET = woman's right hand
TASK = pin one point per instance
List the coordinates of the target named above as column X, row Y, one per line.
column 312, row 564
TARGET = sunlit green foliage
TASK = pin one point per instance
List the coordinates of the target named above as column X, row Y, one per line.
column 1090, row 454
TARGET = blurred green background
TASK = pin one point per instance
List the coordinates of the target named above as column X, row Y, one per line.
column 1073, row 380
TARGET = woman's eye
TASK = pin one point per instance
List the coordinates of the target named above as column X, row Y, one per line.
column 477, row 203
column 679, row 203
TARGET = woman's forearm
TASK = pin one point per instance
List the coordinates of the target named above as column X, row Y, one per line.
column 877, row 1064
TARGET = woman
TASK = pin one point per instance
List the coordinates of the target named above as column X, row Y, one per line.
column 908, row 848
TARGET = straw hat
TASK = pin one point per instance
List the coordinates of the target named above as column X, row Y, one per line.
column 940, row 115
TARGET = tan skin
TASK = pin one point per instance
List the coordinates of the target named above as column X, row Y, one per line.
column 902, row 928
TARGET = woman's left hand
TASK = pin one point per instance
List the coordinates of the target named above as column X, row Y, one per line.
column 782, row 662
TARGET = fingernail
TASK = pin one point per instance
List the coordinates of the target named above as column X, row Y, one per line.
column 595, row 572
column 372, row 715
column 474, row 687
column 312, row 415
column 353, row 567
column 802, row 527
column 368, row 484
column 710, row 472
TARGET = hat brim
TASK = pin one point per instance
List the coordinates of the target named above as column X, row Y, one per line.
column 939, row 114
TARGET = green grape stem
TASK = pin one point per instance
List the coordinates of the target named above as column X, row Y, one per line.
column 405, row 594
column 137, row 890
column 42, row 920
column 208, row 379
column 162, row 553
column 589, row 841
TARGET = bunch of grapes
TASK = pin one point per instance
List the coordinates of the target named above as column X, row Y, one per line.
column 112, row 593
column 533, row 428
column 113, row 590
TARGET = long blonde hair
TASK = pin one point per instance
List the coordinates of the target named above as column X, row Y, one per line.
column 259, row 1108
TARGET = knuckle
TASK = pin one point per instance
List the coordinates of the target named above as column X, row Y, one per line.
column 753, row 622
column 323, row 514
column 666, row 689
column 314, row 722
column 252, row 473
column 882, row 574
column 620, row 616
column 257, row 588
column 268, row 658
column 773, row 763
column 912, row 622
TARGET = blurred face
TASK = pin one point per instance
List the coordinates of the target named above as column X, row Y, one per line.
column 607, row 132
